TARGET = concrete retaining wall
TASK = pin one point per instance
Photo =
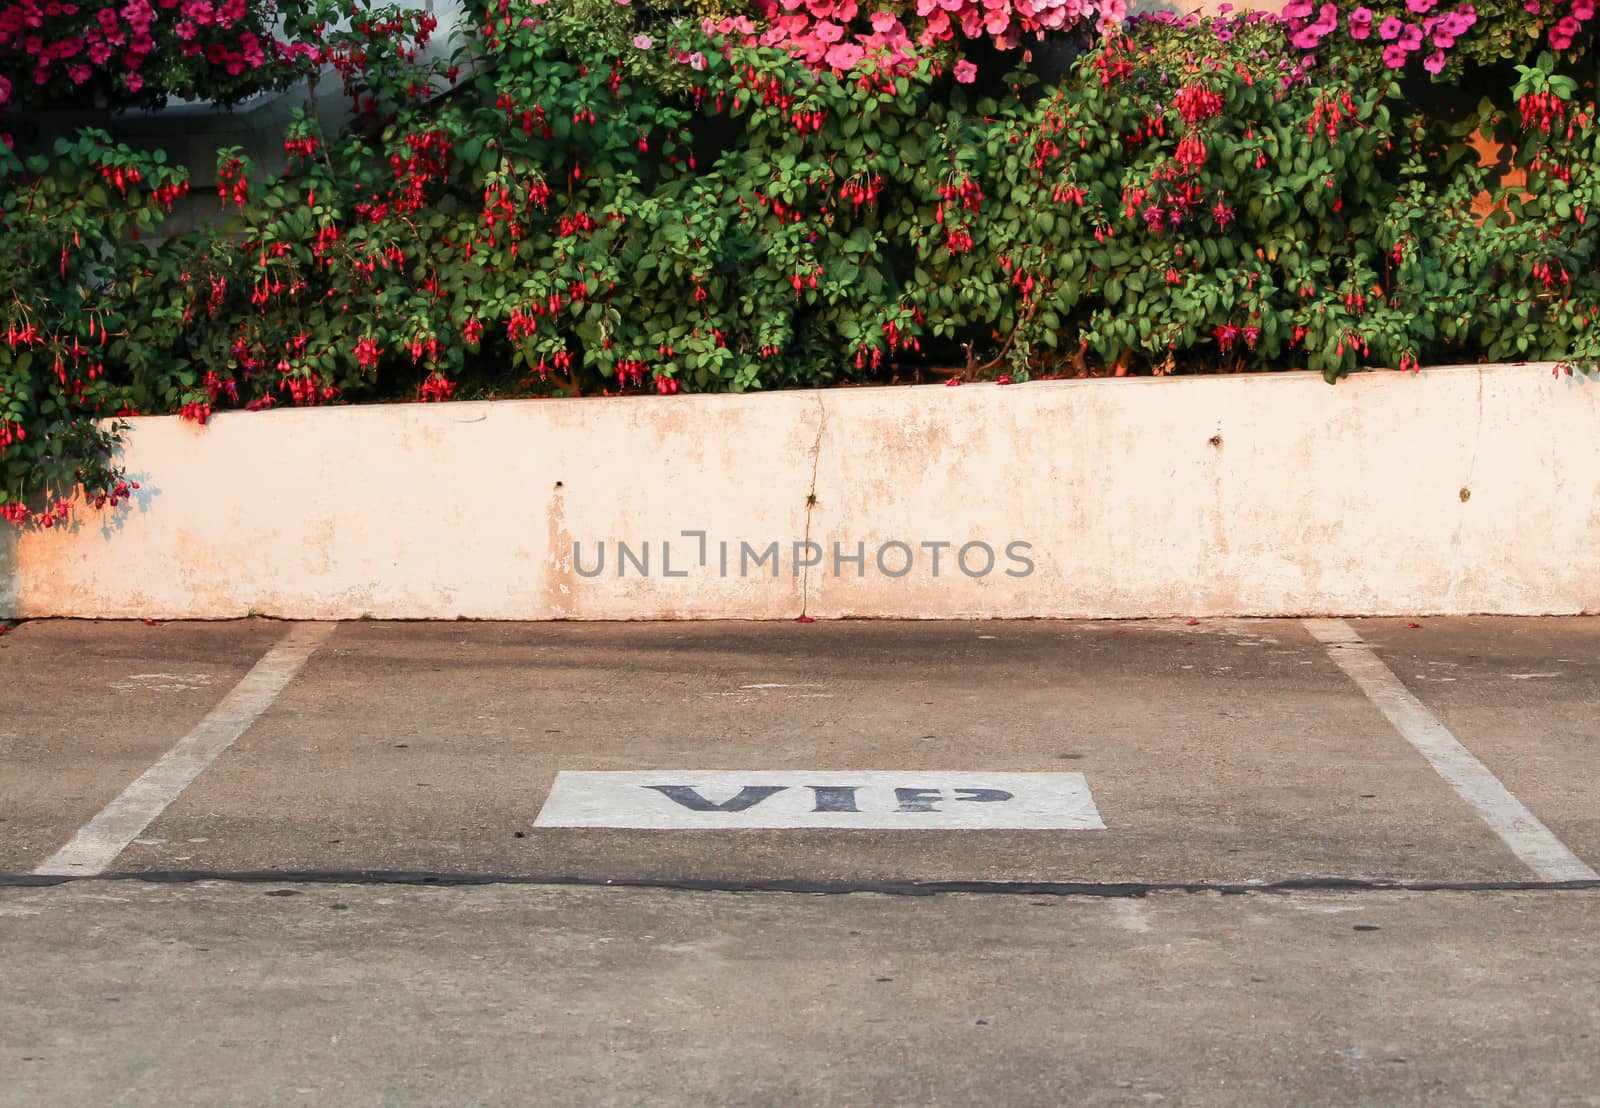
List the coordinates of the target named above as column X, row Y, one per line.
column 1458, row 490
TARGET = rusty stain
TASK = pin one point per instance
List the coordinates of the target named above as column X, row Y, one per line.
column 561, row 582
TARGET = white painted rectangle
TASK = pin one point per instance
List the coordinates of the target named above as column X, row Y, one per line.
column 775, row 799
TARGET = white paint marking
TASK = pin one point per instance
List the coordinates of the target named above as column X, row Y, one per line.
column 774, row 686
column 909, row 799
column 98, row 842
column 1530, row 676
column 1508, row 817
column 1131, row 915
column 163, row 682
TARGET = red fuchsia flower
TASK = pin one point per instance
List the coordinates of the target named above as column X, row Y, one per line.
column 367, row 353
column 1360, row 23
column 1197, row 103
column 437, row 387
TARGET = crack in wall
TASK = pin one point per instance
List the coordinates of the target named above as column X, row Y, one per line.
column 811, row 500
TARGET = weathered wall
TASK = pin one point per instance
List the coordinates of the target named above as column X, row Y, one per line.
column 1271, row 494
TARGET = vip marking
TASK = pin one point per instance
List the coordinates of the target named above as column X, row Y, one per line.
column 872, row 799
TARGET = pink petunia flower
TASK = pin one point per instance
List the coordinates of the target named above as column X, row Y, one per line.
column 1390, row 29
column 1434, row 62
column 966, row 72
column 1360, row 23
column 844, row 56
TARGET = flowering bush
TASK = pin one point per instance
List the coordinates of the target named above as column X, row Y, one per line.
column 1439, row 34
column 138, row 52
column 589, row 199
column 74, row 282
column 841, row 34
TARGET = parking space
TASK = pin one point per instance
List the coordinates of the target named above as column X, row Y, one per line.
column 1221, row 752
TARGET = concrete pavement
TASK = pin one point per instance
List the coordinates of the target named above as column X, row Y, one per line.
column 1220, row 755
column 137, row 993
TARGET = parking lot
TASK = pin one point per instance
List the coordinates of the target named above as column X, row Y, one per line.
column 1179, row 859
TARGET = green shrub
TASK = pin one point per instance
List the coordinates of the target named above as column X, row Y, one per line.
column 587, row 199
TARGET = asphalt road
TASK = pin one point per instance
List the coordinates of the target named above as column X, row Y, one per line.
column 1344, row 862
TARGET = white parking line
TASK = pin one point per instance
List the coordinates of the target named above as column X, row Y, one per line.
column 97, row 844
column 1507, row 816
